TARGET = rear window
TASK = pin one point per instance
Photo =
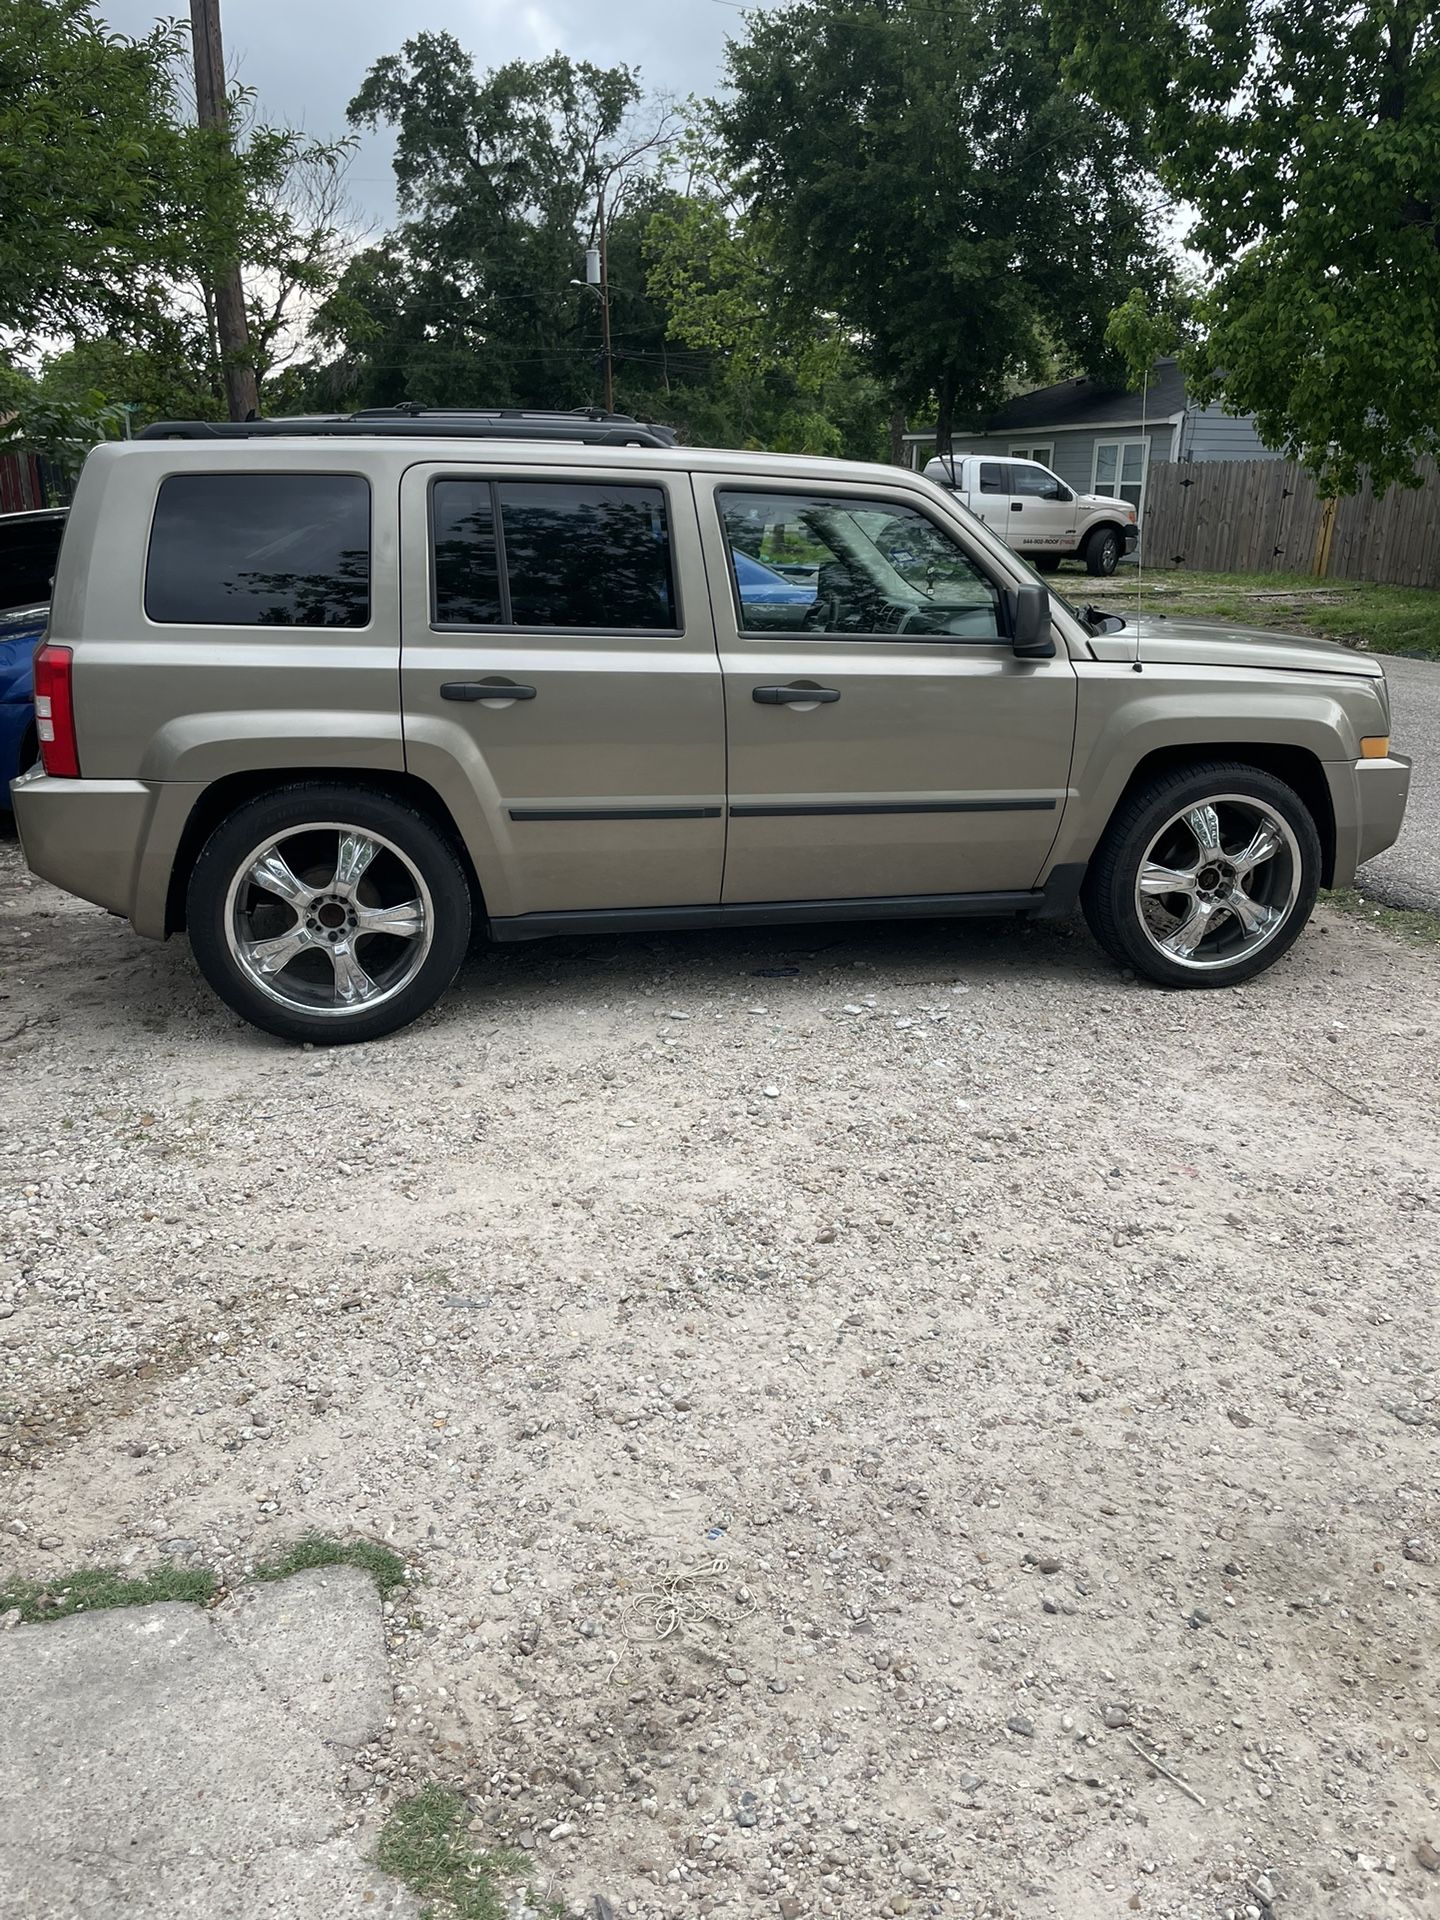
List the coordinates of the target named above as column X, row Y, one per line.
column 260, row 550
column 992, row 477
column 561, row 553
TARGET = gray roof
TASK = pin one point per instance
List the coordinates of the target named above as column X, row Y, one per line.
column 1079, row 402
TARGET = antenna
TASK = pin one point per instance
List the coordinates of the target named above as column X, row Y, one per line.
column 1135, row 666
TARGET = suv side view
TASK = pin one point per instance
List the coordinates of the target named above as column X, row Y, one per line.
column 1034, row 511
column 329, row 695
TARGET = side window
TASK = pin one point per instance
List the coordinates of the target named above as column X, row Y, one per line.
column 993, row 477
column 812, row 563
column 539, row 553
column 29, row 549
column 1035, row 483
column 260, row 550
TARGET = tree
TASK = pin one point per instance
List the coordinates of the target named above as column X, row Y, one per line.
column 499, row 176
column 94, row 168
column 1306, row 135
column 922, row 171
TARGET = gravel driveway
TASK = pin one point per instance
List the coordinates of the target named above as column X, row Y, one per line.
column 1408, row 875
column 1036, row 1371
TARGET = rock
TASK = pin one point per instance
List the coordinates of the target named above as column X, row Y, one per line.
column 1198, row 1617
column 1048, row 1563
column 790, row 1906
column 737, row 1676
column 747, row 1817
column 49, row 1541
column 1428, row 1857
column 1020, row 1723
column 970, row 1783
column 1117, row 1716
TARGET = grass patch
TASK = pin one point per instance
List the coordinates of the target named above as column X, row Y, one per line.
column 98, row 1587
column 426, row 1843
column 387, row 1569
column 1414, row 924
column 1381, row 619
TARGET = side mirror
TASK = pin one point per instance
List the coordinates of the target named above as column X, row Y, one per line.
column 1029, row 609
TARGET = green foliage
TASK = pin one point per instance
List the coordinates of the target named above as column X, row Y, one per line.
column 425, row 1843
column 1414, row 924
column 1365, row 613
column 95, row 168
column 96, row 1587
column 1306, row 135
column 923, row 173
column 319, row 1550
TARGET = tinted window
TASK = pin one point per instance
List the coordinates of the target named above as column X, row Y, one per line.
column 467, row 564
column 260, row 550
column 992, row 477
column 575, row 554
column 28, row 551
column 811, row 563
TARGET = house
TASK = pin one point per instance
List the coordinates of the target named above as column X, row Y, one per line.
column 1103, row 440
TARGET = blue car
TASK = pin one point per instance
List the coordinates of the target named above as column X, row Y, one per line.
column 771, row 599
column 29, row 544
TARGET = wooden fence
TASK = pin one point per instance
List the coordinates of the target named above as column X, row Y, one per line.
column 1262, row 516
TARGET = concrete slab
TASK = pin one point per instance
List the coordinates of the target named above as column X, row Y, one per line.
column 158, row 1760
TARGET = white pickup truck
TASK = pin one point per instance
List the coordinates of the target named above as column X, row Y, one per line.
column 1034, row 511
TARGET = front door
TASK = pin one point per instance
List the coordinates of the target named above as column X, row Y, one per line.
column 887, row 741
column 1042, row 511
column 559, row 668
column 990, row 496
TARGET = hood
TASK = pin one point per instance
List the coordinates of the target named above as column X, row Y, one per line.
column 1204, row 643
column 1123, row 507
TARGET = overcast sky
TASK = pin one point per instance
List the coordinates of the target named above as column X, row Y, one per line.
column 306, row 59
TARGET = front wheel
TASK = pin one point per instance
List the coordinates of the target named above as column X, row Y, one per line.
column 328, row 913
column 1205, row 877
column 1102, row 551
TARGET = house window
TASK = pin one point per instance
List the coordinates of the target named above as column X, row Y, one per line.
column 1041, row 450
column 1120, row 470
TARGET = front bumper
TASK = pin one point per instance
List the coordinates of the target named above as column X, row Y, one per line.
column 1368, row 800
column 1132, row 539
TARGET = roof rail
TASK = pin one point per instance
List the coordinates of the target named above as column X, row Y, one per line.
column 587, row 426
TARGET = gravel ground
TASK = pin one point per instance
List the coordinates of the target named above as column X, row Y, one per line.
column 1408, row 875
column 1043, row 1368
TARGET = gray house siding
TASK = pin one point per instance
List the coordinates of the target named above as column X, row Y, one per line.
column 1213, row 435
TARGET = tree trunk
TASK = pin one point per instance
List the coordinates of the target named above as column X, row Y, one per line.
column 897, row 436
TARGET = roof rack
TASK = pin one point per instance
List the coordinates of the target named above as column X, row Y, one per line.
column 587, row 426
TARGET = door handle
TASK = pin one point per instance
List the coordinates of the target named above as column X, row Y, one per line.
column 485, row 690
column 795, row 696
column 1017, row 506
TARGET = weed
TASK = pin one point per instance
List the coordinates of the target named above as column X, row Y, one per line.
column 387, row 1569
column 426, row 1843
column 97, row 1587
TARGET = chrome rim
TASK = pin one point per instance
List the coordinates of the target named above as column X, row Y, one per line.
column 328, row 919
column 1218, row 881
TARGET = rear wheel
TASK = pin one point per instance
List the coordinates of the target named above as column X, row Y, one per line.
column 1045, row 562
column 328, row 914
column 1102, row 551
column 1205, row 877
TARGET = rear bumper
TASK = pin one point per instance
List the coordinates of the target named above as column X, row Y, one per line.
column 1369, row 802
column 87, row 836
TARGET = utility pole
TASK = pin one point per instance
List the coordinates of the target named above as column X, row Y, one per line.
column 605, row 312
column 212, row 110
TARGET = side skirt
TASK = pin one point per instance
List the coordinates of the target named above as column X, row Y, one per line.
column 1057, row 898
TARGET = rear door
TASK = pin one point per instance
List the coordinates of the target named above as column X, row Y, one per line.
column 559, row 649
column 990, row 495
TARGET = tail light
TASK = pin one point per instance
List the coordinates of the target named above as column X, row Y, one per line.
column 55, row 712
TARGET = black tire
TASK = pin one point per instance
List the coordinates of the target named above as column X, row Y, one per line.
column 308, row 815
column 1102, row 551
column 1113, row 906
column 1045, row 562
